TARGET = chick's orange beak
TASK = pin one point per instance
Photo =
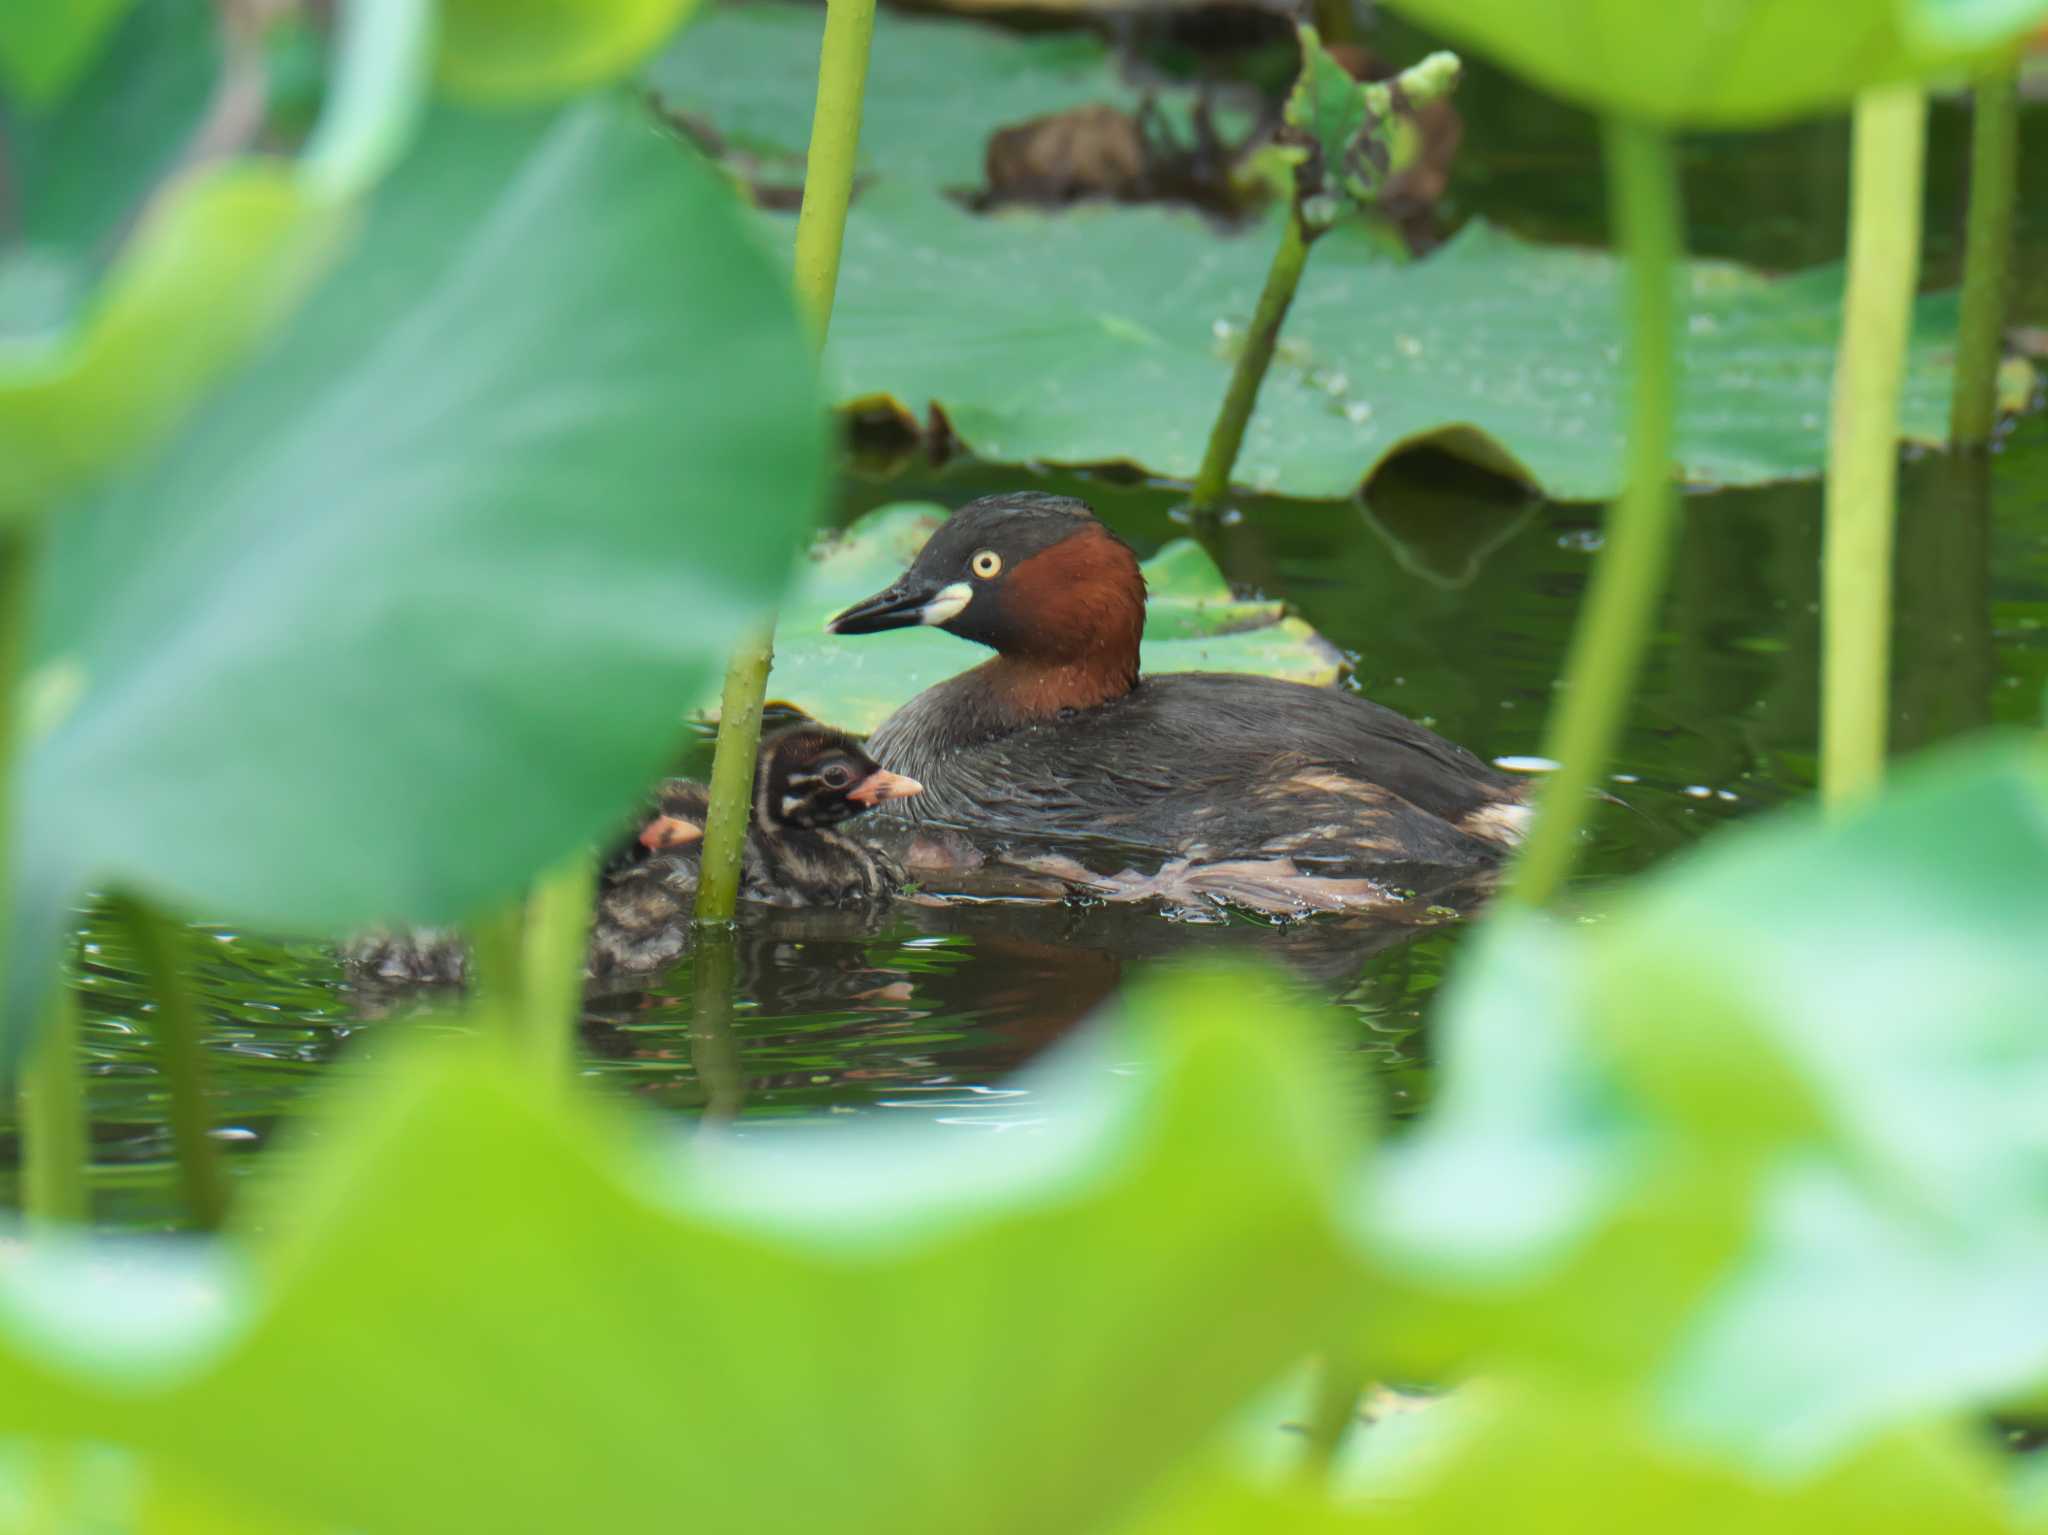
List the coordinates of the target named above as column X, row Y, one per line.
column 666, row 831
column 880, row 785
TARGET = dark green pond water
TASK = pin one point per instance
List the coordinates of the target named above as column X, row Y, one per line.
column 1456, row 597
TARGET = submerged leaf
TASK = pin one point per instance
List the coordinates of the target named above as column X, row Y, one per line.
column 1192, row 623
column 469, row 536
column 862, row 1329
column 1107, row 336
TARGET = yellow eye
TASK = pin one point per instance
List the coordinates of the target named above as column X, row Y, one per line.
column 987, row 564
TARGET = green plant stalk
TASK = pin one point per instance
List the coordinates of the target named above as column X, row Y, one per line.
column 1987, row 260
column 732, row 775
column 56, row 1149
column 18, row 545
column 497, row 962
column 1340, row 1383
column 828, row 168
column 714, row 1048
column 551, row 971
column 1863, row 440
column 1621, row 602
column 820, row 235
column 158, row 947
column 1226, row 437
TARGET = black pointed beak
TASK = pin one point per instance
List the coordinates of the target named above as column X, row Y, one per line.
column 901, row 606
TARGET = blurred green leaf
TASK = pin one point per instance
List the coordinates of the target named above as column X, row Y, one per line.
column 220, row 253
column 1557, row 1459
column 80, row 169
column 1537, row 1212
column 522, row 50
column 513, row 1320
column 212, row 270
column 1107, row 336
column 1514, row 1455
column 474, row 534
column 1726, row 62
column 1770, row 1136
column 1192, row 623
column 1973, row 23
column 47, row 45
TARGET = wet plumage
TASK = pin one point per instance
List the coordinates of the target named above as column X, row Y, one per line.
column 1060, row 738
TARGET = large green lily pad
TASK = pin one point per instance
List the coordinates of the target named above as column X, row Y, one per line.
column 474, row 1306
column 936, row 89
column 1107, row 335
column 1192, row 623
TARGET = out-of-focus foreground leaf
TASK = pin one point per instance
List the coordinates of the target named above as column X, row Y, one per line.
column 860, row 1329
column 1192, row 623
column 47, row 44
column 525, row 49
column 1770, row 1138
column 475, row 533
column 1726, row 62
column 1512, row 1456
column 216, row 255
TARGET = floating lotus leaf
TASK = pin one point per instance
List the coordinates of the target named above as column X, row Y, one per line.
column 936, row 89
column 1192, row 623
column 1107, row 336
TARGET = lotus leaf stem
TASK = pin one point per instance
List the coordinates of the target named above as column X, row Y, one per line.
column 732, row 775
column 55, row 1146
column 828, row 170
column 1628, row 580
column 551, row 959
column 1340, row 1385
column 1987, row 260
column 714, row 1049
column 158, row 946
column 497, row 961
column 1226, row 437
column 1863, row 442
column 820, row 233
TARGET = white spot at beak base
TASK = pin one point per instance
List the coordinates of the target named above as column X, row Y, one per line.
column 947, row 605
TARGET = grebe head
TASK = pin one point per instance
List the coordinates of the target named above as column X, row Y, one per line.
column 1032, row 576
column 810, row 777
column 806, row 777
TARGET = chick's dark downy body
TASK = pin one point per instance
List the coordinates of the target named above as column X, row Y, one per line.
column 808, row 780
column 1059, row 737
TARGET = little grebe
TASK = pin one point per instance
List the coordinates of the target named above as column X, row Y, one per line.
column 1058, row 736
column 807, row 780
